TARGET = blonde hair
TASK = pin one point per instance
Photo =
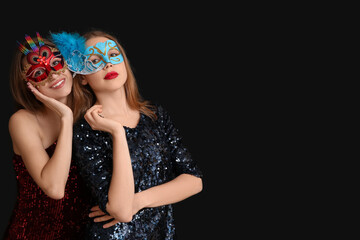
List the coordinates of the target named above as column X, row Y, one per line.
column 84, row 97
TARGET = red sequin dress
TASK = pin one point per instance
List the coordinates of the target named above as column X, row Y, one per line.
column 37, row 216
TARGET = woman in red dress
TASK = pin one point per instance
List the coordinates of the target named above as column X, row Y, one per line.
column 52, row 200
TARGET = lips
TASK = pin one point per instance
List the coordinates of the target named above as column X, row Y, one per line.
column 111, row 75
column 58, row 84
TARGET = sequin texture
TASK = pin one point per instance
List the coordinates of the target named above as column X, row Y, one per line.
column 36, row 216
column 157, row 156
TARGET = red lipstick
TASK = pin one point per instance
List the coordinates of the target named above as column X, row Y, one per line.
column 111, row 75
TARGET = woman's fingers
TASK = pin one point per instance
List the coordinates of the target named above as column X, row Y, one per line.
column 110, row 224
column 60, row 108
column 88, row 115
column 36, row 92
column 96, row 214
column 103, row 218
column 95, row 208
column 92, row 116
column 96, row 111
column 94, row 108
column 93, row 111
column 96, row 211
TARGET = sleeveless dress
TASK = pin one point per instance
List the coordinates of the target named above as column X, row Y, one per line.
column 37, row 216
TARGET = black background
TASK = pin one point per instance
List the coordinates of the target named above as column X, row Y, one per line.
column 177, row 55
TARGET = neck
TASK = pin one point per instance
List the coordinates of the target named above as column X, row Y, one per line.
column 63, row 100
column 114, row 103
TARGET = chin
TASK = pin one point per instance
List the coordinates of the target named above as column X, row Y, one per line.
column 113, row 84
column 64, row 91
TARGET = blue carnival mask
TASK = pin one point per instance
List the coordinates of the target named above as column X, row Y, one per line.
column 103, row 53
column 82, row 60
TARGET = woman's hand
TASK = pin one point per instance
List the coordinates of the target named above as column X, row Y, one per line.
column 60, row 108
column 98, row 122
column 100, row 216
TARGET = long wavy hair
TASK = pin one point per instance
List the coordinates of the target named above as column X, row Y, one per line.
column 84, row 96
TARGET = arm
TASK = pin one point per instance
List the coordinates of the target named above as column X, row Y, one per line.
column 121, row 188
column 176, row 190
column 188, row 180
column 50, row 174
column 122, row 202
column 180, row 188
column 56, row 170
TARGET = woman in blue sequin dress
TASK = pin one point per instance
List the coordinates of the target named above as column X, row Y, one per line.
column 129, row 152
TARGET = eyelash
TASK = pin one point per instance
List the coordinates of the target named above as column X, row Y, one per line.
column 38, row 73
column 113, row 54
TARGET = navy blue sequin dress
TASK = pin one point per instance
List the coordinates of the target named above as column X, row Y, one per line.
column 157, row 156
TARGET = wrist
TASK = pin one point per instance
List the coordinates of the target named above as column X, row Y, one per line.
column 118, row 131
column 140, row 202
column 67, row 119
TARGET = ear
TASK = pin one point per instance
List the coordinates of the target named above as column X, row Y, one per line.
column 83, row 80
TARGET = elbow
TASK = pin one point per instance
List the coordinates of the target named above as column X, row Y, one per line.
column 198, row 185
column 194, row 183
column 123, row 218
column 122, row 215
column 55, row 193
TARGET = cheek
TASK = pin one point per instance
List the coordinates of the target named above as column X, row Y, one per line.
column 91, row 79
column 123, row 71
column 69, row 76
column 46, row 91
column 43, row 90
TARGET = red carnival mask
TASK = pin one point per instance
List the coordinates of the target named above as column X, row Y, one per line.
column 42, row 62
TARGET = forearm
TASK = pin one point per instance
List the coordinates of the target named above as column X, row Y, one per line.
column 56, row 171
column 178, row 189
column 121, row 190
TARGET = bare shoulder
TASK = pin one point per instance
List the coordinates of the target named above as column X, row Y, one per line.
column 24, row 129
column 23, row 120
column 22, row 116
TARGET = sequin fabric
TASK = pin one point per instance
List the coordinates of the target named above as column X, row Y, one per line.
column 37, row 216
column 157, row 156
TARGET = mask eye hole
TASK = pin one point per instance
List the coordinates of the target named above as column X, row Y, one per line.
column 95, row 59
column 55, row 61
column 113, row 53
column 38, row 72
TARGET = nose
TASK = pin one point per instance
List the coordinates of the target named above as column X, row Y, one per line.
column 108, row 65
column 54, row 75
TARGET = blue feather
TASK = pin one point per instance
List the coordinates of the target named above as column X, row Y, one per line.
column 71, row 46
column 68, row 42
